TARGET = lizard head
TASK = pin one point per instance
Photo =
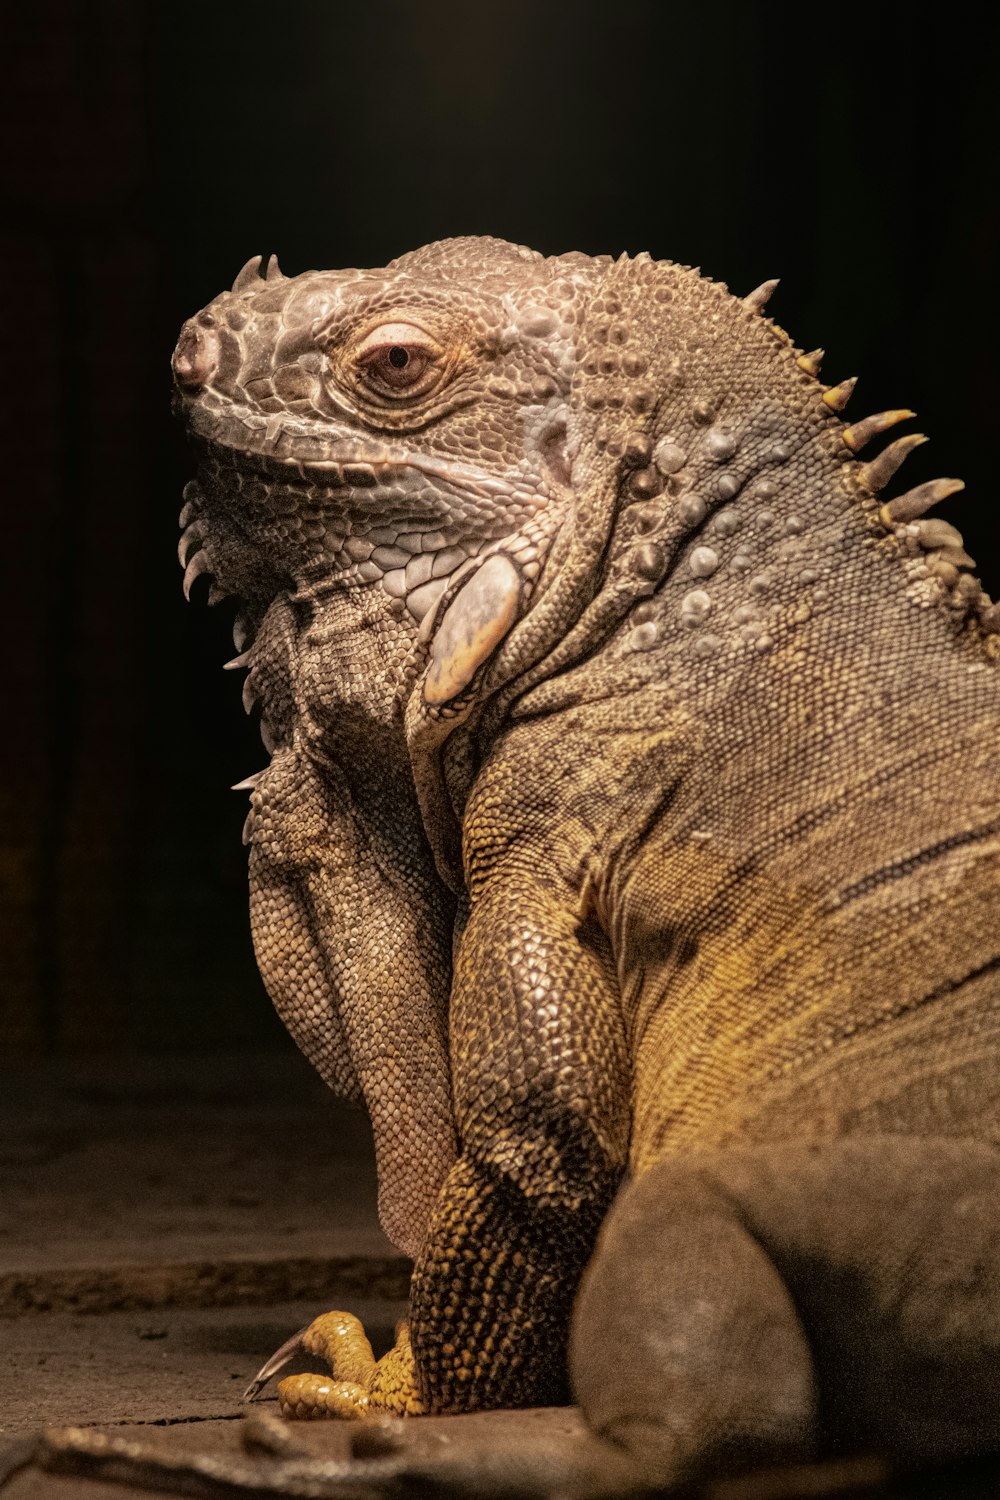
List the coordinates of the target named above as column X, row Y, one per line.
column 380, row 428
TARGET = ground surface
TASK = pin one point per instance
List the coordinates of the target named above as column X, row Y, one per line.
column 165, row 1225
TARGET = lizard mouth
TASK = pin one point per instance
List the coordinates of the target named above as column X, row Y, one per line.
column 348, row 473
column 282, row 502
column 361, row 470
column 257, row 523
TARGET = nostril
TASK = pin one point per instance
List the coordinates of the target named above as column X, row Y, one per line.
column 197, row 354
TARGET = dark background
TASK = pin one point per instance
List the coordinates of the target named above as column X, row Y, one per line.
column 149, row 149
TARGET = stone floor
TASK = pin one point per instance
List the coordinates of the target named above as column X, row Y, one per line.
column 165, row 1225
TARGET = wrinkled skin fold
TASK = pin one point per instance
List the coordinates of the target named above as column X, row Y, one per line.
column 631, row 811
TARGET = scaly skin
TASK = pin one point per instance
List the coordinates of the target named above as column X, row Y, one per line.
column 588, row 654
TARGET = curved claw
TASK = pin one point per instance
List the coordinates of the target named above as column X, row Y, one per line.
column 278, row 1360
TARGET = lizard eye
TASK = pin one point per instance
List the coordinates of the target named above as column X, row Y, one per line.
column 396, row 357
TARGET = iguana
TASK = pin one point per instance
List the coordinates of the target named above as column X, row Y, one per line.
column 630, row 843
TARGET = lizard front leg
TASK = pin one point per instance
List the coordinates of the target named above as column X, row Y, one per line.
column 542, row 1105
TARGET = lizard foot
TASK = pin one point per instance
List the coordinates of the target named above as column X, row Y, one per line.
column 358, row 1385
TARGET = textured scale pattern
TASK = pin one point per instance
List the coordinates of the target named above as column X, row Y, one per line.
column 631, row 811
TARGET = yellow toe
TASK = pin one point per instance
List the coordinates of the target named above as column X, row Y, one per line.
column 309, row 1397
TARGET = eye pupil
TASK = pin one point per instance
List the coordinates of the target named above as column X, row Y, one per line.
column 398, row 357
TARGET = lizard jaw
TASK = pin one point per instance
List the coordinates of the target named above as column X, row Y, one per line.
column 407, row 522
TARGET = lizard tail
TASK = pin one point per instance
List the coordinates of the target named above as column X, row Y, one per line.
column 791, row 1300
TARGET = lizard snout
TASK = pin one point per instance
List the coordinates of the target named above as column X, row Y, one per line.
column 197, row 354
